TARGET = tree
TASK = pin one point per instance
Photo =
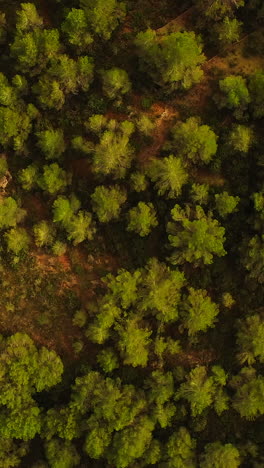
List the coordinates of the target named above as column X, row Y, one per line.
column 199, row 312
column 248, row 399
column 199, row 193
column 217, row 9
column 107, row 202
column 217, row 455
column 113, row 154
column 102, row 17
column 241, row 138
column 123, row 288
column 28, row 18
column 44, row 233
column 193, row 141
column 64, row 208
column 10, row 213
column 14, row 128
column 33, row 50
column 131, row 443
column 25, row 370
column 225, row 203
column 200, row 390
column 11, row 452
column 80, row 227
column 75, row 28
column 160, row 293
column 256, row 89
column 115, row 82
column 8, row 96
column 250, row 339
column 145, row 125
column 108, row 360
column 180, row 450
column 17, row 240
column 196, row 241
column 53, row 179
column 133, row 343
column 235, row 94
column 174, row 60
column 28, row 177
column 138, row 182
column 61, row 454
column 228, row 31
column 169, row 175
column 51, row 142
column 254, row 258
column 142, row 219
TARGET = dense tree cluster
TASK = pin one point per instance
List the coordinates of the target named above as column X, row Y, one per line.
column 132, row 234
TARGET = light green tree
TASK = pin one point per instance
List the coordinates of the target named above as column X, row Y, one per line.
column 172, row 60
column 52, row 143
column 241, row 138
column 115, row 82
column 196, row 142
column 199, row 312
column 10, row 213
column 225, row 203
column 180, row 450
column 103, row 17
column 169, row 175
column 28, row 18
column 250, row 339
column 235, row 94
column 53, row 179
column 17, row 240
column 107, row 360
column 195, row 241
column 228, row 31
column 142, row 218
column 44, row 233
column 28, row 177
column 61, row 454
column 80, row 227
column 217, row 455
column 133, row 343
column 107, row 202
column 75, row 28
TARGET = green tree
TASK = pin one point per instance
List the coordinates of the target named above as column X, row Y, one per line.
column 80, row 227
column 115, row 82
column 64, row 208
column 241, row 138
column 131, row 443
column 28, row 18
column 161, row 289
column 254, row 258
column 142, row 219
column 169, row 175
column 248, row 399
column 217, row 9
column 138, row 182
column 15, row 127
column 61, row 454
column 10, row 213
column 133, row 343
column 108, row 360
column 199, row 193
column 145, row 125
column 51, row 142
column 196, row 241
column 256, row 89
column 173, row 60
column 250, row 339
column 217, row 455
column 11, row 452
column 113, row 154
column 44, row 233
column 235, row 94
column 228, row 31
column 53, row 179
column 8, row 96
column 107, row 202
column 103, row 17
column 75, row 28
column 199, row 312
column 195, row 142
column 28, row 177
column 123, row 288
column 225, row 203
column 180, row 450
column 17, row 240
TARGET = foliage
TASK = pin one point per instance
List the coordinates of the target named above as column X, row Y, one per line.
column 17, row 240
column 241, row 138
column 235, row 94
column 195, row 142
column 51, row 142
column 53, row 179
column 173, row 60
column 103, row 18
column 218, row 455
column 107, row 202
column 169, row 175
column 75, row 27
column 199, row 312
column 225, row 203
column 142, row 219
column 196, row 241
column 115, row 82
